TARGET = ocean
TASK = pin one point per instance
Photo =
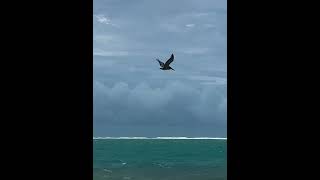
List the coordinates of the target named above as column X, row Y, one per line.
column 159, row 159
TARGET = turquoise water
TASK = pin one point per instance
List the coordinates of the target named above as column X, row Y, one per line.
column 155, row 159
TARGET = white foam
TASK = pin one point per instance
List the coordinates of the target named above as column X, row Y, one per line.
column 107, row 170
column 218, row 138
column 120, row 138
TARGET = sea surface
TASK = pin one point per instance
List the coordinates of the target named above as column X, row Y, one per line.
column 159, row 159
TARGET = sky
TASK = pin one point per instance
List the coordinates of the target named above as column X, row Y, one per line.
column 132, row 96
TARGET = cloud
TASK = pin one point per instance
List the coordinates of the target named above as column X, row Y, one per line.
column 104, row 20
column 155, row 27
column 132, row 94
column 209, row 79
column 209, row 25
column 99, row 52
column 190, row 25
column 194, row 50
column 104, row 38
column 200, row 14
column 170, row 27
column 175, row 104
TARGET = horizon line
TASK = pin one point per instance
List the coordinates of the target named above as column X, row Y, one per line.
column 220, row 138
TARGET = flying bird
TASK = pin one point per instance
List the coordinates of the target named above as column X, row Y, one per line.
column 166, row 66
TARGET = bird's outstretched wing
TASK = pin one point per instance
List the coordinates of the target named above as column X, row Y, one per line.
column 169, row 60
column 161, row 63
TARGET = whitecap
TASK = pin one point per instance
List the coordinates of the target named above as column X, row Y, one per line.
column 107, row 170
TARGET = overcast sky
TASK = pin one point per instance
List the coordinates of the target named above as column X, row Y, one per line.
column 132, row 96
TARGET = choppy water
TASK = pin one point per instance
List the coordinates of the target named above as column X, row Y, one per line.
column 159, row 159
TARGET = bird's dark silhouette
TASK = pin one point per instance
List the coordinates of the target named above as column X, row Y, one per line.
column 166, row 66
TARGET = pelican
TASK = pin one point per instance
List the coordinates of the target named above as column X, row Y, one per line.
column 166, row 66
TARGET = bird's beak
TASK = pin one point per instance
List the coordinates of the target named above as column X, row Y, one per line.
column 172, row 69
